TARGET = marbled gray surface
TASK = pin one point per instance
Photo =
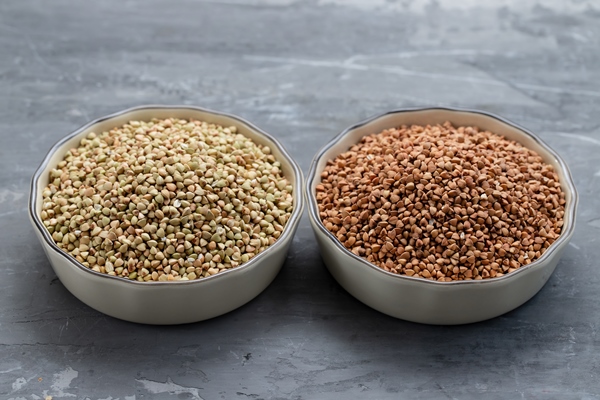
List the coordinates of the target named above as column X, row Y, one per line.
column 302, row 71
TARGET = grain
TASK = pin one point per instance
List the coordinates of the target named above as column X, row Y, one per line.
column 166, row 200
column 441, row 202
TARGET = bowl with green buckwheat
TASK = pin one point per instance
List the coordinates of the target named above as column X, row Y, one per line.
column 439, row 215
column 154, row 207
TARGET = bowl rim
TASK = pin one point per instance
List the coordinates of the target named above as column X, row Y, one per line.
column 564, row 237
column 288, row 230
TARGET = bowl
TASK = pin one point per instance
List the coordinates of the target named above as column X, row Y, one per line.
column 425, row 301
column 152, row 302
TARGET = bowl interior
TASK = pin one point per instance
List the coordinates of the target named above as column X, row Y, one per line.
column 434, row 116
column 41, row 178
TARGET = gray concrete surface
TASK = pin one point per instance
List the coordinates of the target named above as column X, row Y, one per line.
column 302, row 71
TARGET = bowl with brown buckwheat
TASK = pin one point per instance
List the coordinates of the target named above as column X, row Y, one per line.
column 440, row 216
column 166, row 214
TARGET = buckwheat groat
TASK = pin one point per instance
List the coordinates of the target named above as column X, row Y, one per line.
column 441, row 202
column 166, row 200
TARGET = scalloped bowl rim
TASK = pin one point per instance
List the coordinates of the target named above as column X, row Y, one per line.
column 567, row 182
column 289, row 228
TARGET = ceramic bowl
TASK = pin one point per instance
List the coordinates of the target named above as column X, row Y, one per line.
column 152, row 302
column 432, row 302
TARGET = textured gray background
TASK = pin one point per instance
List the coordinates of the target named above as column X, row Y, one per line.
column 302, row 71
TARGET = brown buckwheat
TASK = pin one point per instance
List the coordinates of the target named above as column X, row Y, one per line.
column 441, row 202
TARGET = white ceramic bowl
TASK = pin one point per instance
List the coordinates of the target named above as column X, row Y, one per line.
column 432, row 302
column 153, row 302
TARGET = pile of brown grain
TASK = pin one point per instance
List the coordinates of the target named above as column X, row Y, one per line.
column 442, row 203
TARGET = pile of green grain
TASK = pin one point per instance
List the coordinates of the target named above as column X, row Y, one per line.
column 166, row 200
